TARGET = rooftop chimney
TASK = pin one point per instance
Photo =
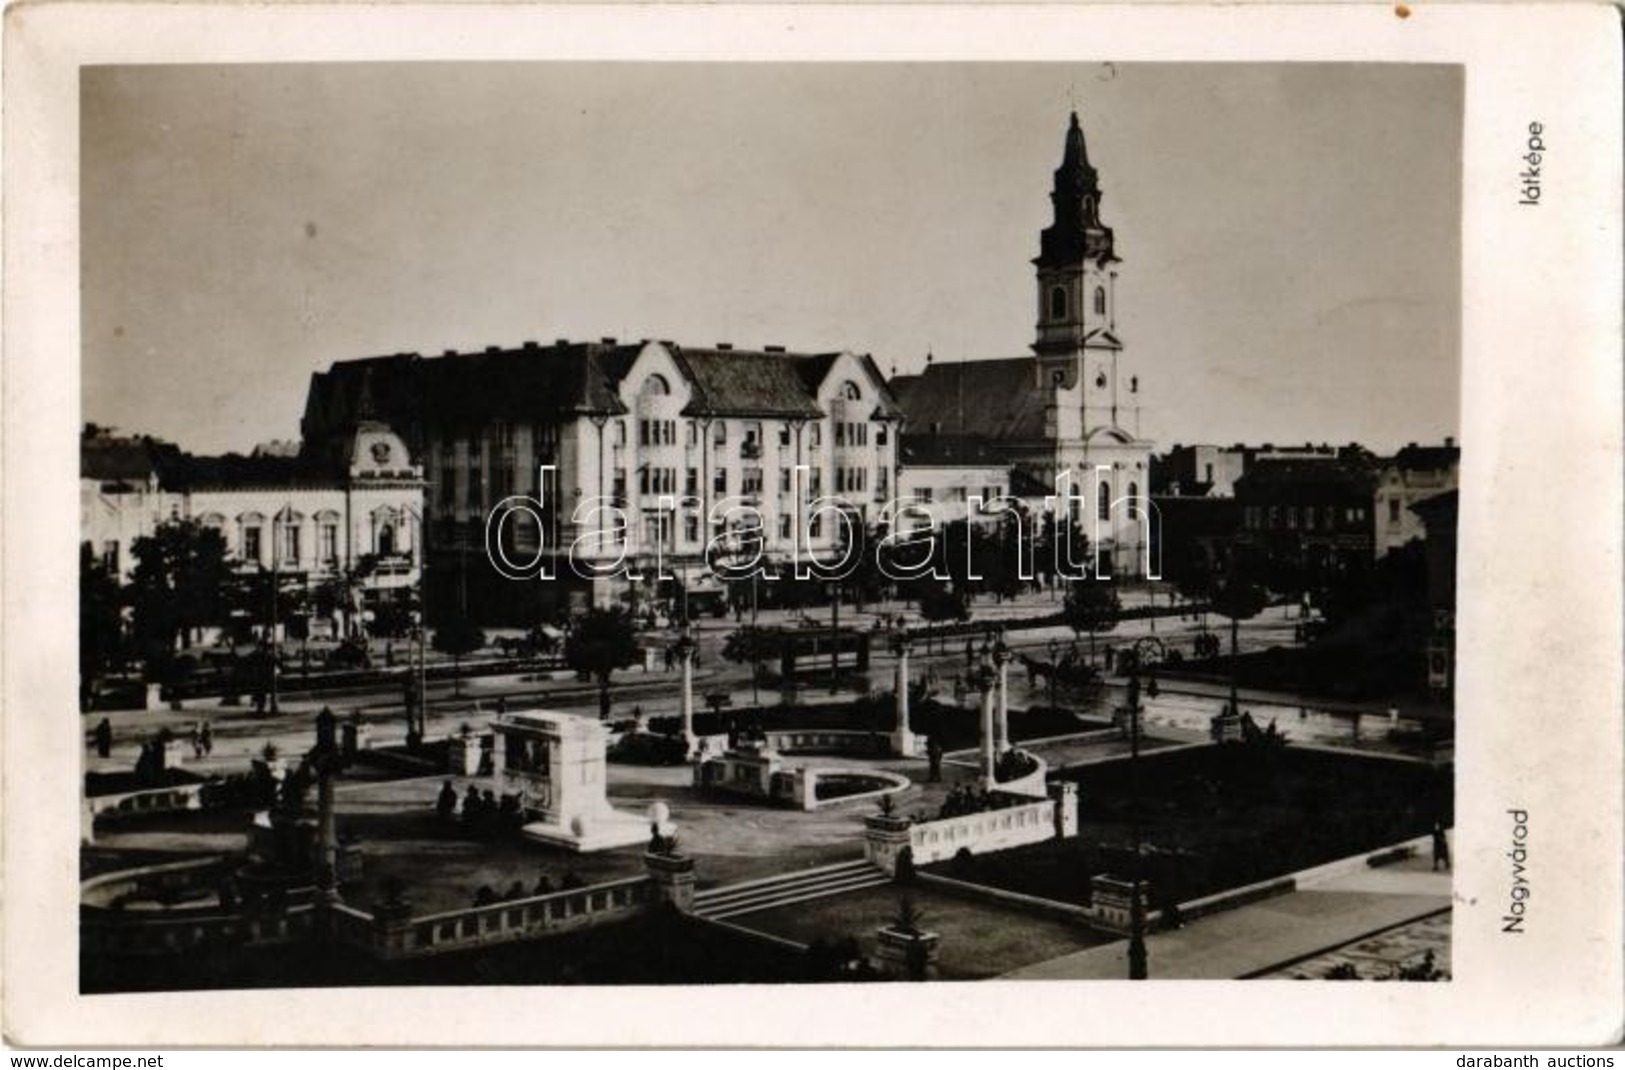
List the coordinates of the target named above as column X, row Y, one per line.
column 1449, row 442
column 530, row 343
column 561, row 342
column 607, row 341
column 493, row 349
column 773, row 349
column 725, row 345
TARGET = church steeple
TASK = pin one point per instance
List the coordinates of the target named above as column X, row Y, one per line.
column 1077, row 233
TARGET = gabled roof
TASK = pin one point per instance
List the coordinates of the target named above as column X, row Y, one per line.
column 995, row 400
column 742, row 382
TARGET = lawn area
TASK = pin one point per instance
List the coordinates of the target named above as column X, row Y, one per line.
column 979, row 939
column 1214, row 818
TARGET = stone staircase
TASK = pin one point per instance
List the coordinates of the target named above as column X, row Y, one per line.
column 784, row 889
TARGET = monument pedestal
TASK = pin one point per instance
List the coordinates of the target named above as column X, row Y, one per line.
column 554, row 764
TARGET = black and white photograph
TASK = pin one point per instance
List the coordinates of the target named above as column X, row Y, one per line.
column 588, row 514
column 767, row 523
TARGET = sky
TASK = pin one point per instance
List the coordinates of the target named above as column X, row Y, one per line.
column 1290, row 233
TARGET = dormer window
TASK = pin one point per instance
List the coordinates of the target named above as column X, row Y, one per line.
column 1100, row 300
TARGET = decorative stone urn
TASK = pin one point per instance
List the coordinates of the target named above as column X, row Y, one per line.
column 673, row 877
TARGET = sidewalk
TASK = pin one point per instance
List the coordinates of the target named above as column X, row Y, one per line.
column 1253, row 939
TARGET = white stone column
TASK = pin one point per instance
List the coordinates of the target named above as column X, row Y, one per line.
column 1001, row 741
column 902, row 733
column 689, row 738
column 989, row 754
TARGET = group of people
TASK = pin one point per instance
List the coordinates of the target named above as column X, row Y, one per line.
column 482, row 813
column 486, row 895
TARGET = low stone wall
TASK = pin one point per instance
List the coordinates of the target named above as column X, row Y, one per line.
column 886, row 837
column 830, row 741
column 989, row 894
column 147, row 801
column 154, row 933
column 518, row 919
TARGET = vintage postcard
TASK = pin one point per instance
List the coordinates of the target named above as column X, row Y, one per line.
column 910, row 512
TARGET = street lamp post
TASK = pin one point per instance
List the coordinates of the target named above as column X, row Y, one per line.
column 1138, row 967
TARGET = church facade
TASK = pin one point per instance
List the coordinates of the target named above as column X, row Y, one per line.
column 1068, row 416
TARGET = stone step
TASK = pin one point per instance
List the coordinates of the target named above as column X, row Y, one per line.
column 768, row 900
column 781, row 881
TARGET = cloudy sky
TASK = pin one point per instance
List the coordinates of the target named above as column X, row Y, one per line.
column 1289, row 233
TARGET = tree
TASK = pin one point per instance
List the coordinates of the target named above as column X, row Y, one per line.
column 458, row 635
column 180, row 574
column 1237, row 596
column 939, row 604
column 602, row 641
column 1092, row 606
column 101, row 626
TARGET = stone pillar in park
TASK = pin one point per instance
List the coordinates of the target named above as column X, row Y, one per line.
column 327, row 837
column 989, row 748
column 1001, row 660
column 673, row 876
column 902, row 739
column 686, row 649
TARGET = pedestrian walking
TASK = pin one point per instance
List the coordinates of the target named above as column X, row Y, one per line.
column 206, row 737
column 104, row 738
column 1441, row 848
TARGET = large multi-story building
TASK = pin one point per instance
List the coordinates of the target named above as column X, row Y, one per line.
column 654, row 451
column 350, row 512
column 1072, row 409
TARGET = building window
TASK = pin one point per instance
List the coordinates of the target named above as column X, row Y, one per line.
column 880, row 435
column 815, row 436
column 691, row 481
column 719, row 481
column 751, row 481
column 290, row 543
column 850, row 391
column 692, row 431
column 327, row 542
column 784, row 528
column 1393, row 510
column 784, row 481
column 691, row 527
column 924, row 494
column 1133, row 501
column 1103, row 507
column 720, row 435
column 618, row 487
column 386, row 538
column 110, row 556
column 1100, row 300
column 784, row 434
column 1057, row 303
column 251, row 542
column 655, row 386
column 620, row 432
column 881, row 480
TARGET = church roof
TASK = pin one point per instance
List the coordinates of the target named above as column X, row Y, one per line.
column 996, row 400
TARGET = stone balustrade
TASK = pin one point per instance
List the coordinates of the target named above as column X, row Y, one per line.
column 885, row 837
column 517, row 919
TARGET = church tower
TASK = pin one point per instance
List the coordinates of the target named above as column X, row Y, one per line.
column 1077, row 347
column 1091, row 392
